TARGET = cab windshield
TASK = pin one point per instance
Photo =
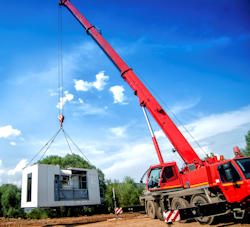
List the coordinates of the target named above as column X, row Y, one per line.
column 244, row 165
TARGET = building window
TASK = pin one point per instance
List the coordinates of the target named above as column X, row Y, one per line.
column 168, row 174
column 154, row 178
column 29, row 183
column 82, row 182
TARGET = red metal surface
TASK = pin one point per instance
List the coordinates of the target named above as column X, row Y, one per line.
column 237, row 152
column 145, row 98
column 172, row 183
column 171, row 216
column 61, row 119
column 233, row 191
column 118, row 210
column 198, row 177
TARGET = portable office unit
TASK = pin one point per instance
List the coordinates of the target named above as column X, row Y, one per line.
column 50, row 186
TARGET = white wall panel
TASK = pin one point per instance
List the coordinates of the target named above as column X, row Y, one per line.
column 43, row 189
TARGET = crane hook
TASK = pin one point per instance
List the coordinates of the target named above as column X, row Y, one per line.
column 61, row 119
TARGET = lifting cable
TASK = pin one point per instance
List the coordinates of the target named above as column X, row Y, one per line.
column 52, row 140
column 77, row 147
column 53, row 137
column 60, row 63
column 50, row 144
column 60, row 98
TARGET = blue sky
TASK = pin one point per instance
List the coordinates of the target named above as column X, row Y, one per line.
column 194, row 55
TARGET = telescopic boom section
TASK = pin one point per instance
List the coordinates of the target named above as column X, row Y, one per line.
column 145, row 98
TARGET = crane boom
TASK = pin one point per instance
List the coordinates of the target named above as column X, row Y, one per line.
column 146, row 99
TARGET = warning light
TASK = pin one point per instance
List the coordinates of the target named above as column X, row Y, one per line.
column 221, row 158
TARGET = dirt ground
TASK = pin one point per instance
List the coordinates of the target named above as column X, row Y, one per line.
column 137, row 220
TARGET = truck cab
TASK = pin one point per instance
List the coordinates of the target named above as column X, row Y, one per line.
column 234, row 177
column 164, row 176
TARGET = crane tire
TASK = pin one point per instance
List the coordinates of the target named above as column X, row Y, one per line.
column 151, row 209
column 159, row 211
column 201, row 199
column 178, row 203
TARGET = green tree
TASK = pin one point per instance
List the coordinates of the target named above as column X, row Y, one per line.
column 10, row 201
column 109, row 193
column 127, row 193
column 246, row 151
column 66, row 162
column 72, row 160
column 130, row 192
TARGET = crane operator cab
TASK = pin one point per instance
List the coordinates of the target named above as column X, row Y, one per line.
column 164, row 176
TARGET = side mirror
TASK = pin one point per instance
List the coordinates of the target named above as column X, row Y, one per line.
column 228, row 171
column 229, row 174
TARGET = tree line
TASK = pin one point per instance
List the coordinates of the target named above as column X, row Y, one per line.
column 127, row 192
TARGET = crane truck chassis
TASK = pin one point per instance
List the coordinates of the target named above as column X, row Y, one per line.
column 202, row 185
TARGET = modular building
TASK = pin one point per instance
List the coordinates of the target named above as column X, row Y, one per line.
column 50, row 186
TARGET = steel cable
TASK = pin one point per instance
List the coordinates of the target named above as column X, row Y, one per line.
column 79, row 149
column 42, row 148
column 50, row 144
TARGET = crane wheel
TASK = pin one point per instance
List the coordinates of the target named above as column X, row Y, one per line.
column 178, row 203
column 151, row 209
column 200, row 199
column 159, row 211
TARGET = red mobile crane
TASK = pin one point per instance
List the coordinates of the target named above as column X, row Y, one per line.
column 223, row 185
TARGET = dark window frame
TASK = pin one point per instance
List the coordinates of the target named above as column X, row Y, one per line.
column 170, row 175
column 223, row 175
column 82, row 182
column 29, row 186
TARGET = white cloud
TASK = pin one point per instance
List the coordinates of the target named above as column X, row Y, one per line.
column 183, row 106
column 17, row 183
column 214, row 124
column 68, row 97
column 131, row 160
column 119, row 97
column 12, row 176
column 94, row 151
column 85, row 109
column 202, row 150
column 159, row 134
column 12, row 143
column 81, row 85
column 8, row 132
column 100, row 81
column 52, row 93
column 80, row 100
column 118, row 131
column 21, row 138
column 18, row 168
column 218, row 123
column 99, row 84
